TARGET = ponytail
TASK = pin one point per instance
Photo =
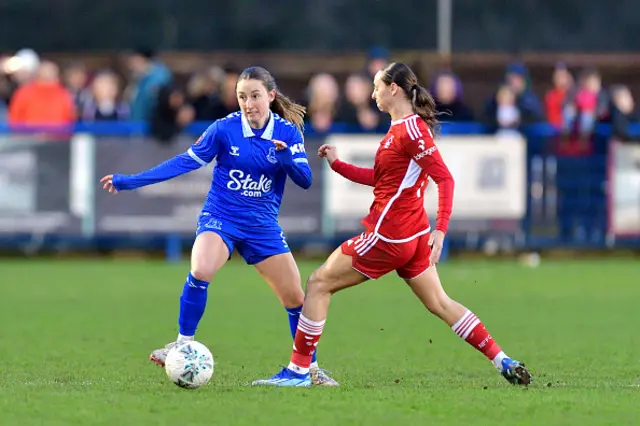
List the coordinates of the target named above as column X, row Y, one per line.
column 425, row 106
column 421, row 100
column 289, row 110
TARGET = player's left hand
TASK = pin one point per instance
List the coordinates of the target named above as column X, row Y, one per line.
column 107, row 182
column 436, row 241
column 279, row 145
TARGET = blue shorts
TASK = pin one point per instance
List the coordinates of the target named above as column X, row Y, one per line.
column 253, row 244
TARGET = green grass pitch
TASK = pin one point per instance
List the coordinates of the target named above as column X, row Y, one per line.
column 76, row 336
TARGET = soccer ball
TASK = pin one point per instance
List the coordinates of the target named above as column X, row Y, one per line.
column 189, row 365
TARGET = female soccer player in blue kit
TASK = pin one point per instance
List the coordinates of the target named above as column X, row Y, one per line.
column 255, row 150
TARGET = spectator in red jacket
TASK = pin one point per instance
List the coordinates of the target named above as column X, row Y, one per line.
column 588, row 104
column 44, row 101
column 556, row 97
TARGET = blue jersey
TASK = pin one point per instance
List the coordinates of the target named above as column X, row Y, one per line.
column 249, row 175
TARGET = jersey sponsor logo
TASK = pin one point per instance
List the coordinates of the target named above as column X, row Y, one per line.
column 297, row 148
column 424, row 153
column 271, row 156
column 248, row 186
column 388, row 143
column 421, row 144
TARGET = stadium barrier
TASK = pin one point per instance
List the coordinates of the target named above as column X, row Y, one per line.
column 512, row 191
column 623, row 218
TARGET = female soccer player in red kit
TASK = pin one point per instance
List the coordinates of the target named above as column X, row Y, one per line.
column 397, row 234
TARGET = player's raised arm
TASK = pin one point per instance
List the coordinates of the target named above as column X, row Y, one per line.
column 293, row 159
column 291, row 153
column 201, row 153
column 422, row 149
column 361, row 175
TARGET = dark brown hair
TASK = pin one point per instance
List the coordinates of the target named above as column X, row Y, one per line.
column 281, row 105
column 423, row 103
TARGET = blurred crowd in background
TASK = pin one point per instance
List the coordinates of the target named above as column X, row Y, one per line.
column 35, row 91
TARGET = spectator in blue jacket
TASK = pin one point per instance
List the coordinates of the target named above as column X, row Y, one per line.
column 149, row 76
column 517, row 78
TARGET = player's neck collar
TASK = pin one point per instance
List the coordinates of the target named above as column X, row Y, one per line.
column 402, row 120
column 247, row 131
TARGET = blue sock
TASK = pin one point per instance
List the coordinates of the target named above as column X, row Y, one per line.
column 192, row 304
column 294, row 317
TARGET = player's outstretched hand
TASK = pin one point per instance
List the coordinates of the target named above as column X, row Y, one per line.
column 107, row 182
column 329, row 152
column 279, row 145
column 436, row 241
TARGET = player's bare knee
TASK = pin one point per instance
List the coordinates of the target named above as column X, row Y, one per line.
column 203, row 269
column 293, row 300
column 312, row 282
column 202, row 273
column 317, row 283
column 291, row 295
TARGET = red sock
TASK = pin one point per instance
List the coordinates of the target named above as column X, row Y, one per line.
column 473, row 332
column 304, row 344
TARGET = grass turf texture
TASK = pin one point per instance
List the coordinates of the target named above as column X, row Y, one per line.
column 76, row 336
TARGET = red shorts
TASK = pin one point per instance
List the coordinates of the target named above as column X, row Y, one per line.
column 373, row 257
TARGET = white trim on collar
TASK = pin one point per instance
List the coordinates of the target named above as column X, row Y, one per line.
column 247, row 131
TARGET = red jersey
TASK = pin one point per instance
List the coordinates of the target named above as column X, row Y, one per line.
column 405, row 158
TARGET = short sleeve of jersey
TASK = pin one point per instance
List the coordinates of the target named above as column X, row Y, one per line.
column 206, row 147
column 296, row 145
